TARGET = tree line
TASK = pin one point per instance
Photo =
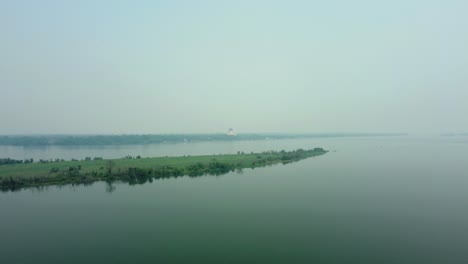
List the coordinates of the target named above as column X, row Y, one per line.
column 14, row 161
column 100, row 140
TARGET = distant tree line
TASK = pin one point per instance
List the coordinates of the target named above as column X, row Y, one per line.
column 100, row 140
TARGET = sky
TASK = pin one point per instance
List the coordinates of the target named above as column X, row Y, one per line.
column 142, row 67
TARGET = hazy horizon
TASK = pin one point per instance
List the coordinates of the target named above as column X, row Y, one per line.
column 178, row 67
column 213, row 133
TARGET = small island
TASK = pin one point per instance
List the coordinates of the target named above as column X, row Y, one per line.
column 17, row 174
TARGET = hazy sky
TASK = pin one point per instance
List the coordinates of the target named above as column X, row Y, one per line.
column 256, row 66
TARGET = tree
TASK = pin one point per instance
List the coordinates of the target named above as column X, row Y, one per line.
column 109, row 165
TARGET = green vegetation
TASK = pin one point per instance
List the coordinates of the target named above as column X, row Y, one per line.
column 138, row 170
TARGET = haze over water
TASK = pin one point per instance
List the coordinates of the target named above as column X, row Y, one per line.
column 374, row 200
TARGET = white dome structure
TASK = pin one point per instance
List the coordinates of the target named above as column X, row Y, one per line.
column 231, row 132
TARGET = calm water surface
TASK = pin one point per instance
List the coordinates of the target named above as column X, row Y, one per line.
column 370, row 200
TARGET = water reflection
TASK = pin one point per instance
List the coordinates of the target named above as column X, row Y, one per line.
column 110, row 187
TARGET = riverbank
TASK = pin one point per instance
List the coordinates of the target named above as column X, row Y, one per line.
column 139, row 170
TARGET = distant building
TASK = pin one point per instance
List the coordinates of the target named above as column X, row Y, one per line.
column 231, row 132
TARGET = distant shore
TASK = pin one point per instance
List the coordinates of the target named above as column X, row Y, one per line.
column 108, row 140
column 26, row 173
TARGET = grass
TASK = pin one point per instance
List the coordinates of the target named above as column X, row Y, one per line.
column 136, row 170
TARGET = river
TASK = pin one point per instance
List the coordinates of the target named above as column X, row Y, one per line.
column 401, row 199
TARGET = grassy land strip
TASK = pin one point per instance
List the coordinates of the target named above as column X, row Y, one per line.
column 138, row 170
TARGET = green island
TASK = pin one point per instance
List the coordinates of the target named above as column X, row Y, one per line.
column 17, row 174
